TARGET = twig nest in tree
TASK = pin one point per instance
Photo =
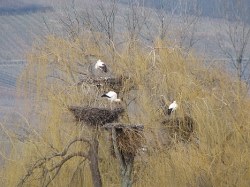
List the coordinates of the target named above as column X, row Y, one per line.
column 108, row 83
column 179, row 128
column 129, row 138
column 96, row 116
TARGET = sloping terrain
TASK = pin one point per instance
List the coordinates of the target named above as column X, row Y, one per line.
column 20, row 30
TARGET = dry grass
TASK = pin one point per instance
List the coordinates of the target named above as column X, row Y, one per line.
column 208, row 94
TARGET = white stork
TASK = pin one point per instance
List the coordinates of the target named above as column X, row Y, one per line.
column 172, row 107
column 112, row 96
column 101, row 65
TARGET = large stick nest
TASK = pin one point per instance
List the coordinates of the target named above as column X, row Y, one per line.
column 110, row 83
column 129, row 139
column 96, row 116
column 180, row 128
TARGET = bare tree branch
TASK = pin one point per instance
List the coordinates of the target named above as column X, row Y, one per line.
column 41, row 163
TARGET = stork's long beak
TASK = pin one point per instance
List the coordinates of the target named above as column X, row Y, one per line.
column 104, row 95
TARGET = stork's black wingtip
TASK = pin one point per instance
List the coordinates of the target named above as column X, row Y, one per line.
column 105, row 69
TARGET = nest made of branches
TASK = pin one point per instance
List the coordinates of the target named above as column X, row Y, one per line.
column 96, row 116
column 109, row 83
column 180, row 128
column 129, row 141
column 129, row 138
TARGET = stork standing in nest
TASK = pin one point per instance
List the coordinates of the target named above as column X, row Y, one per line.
column 101, row 66
column 112, row 97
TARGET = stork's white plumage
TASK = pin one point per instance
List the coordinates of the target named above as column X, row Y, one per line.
column 112, row 96
column 101, row 65
column 172, row 107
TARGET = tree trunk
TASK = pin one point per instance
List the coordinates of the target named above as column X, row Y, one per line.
column 239, row 74
column 126, row 173
column 126, row 163
column 94, row 163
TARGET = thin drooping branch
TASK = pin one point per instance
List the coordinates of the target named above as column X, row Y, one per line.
column 58, row 167
column 41, row 163
column 64, row 152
